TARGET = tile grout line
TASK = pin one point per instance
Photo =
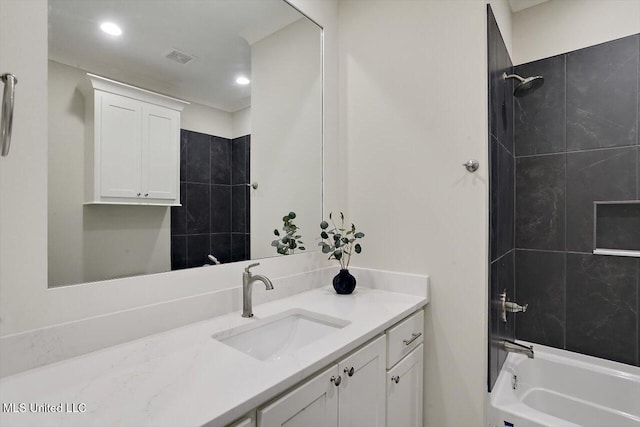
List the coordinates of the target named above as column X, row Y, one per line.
column 618, row 147
column 566, row 169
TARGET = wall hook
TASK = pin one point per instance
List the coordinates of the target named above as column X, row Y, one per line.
column 471, row 165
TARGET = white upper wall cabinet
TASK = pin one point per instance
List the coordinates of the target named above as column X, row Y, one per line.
column 132, row 151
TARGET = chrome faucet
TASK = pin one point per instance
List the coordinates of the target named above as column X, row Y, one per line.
column 247, row 286
column 513, row 347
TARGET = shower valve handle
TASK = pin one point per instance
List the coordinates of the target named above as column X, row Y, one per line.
column 505, row 306
column 513, row 307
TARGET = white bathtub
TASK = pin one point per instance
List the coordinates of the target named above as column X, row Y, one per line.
column 560, row 388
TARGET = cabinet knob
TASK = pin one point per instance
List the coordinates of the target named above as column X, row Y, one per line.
column 138, row 194
column 146, row 194
column 395, row 379
column 336, row 380
column 349, row 371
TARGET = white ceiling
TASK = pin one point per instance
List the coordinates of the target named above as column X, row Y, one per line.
column 518, row 5
column 217, row 33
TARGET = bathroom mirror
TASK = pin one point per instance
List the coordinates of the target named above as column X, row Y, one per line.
column 251, row 71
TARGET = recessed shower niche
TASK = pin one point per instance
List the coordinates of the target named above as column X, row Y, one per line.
column 617, row 228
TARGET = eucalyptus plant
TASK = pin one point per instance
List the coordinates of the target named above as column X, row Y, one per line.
column 339, row 242
column 290, row 240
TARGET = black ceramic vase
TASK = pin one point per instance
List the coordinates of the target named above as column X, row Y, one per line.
column 344, row 283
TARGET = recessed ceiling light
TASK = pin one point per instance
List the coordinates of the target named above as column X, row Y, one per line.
column 243, row 80
column 111, row 28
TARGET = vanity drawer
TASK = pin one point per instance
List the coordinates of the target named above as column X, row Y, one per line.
column 404, row 337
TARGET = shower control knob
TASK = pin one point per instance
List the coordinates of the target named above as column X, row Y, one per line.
column 513, row 307
column 471, row 165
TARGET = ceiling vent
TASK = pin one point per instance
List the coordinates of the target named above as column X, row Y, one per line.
column 179, row 57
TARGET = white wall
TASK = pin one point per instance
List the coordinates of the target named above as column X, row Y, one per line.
column 502, row 12
column 241, row 122
column 209, row 120
column 413, row 108
column 26, row 302
column 134, row 239
column 286, row 134
column 560, row 26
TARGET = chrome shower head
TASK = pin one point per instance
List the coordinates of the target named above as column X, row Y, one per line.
column 524, row 86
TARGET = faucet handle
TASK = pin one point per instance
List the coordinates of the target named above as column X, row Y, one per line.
column 246, row 270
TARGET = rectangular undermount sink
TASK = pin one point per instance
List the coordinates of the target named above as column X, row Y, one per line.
column 276, row 336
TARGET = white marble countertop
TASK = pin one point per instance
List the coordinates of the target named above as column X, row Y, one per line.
column 184, row 377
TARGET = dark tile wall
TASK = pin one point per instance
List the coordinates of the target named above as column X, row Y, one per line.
column 576, row 142
column 214, row 216
column 502, row 190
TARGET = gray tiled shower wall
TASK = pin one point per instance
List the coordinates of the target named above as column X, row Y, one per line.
column 502, row 185
column 214, row 216
column 576, row 142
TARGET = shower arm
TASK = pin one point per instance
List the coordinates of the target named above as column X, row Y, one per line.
column 506, row 76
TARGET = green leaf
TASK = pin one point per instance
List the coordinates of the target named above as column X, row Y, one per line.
column 359, row 235
column 345, row 240
column 275, row 243
column 293, row 244
column 341, row 216
column 285, row 219
column 302, row 248
column 330, row 213
column 326, row 249
column 324, row 235
column 324, row 225
column 285, row 239
column 292, row 215
column 276, row 232
column 357, row 248
column 338, row 254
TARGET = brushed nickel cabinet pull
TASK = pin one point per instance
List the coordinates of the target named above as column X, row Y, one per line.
column 413, row 338
column 8, row 101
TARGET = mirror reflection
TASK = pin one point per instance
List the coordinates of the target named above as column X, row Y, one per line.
column 180, row 133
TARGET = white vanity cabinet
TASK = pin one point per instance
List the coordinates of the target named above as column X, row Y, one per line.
column 404, row 391
column 313, row 404
column 377, row 385
column 361, row 392
column 349, row 394
column 404, row 372
column 132, row 153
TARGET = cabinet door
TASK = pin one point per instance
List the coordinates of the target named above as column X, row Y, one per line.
column 362, row 391
column 313, row 404
column 119, row 131
column 160, row 153
column 404, row 391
